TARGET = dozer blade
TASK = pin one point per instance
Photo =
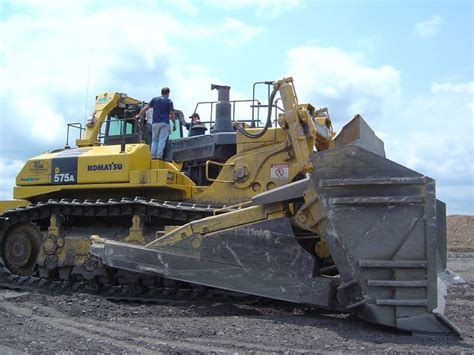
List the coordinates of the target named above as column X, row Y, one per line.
column 261, row 259
column 386, row 233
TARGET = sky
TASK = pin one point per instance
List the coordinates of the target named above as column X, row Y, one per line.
column 406, row 66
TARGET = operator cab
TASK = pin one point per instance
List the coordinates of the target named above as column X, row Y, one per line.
column 116, row 129
column 120, row 128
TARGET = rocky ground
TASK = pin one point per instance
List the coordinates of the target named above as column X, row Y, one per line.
column 460, row 233
column 39, row 323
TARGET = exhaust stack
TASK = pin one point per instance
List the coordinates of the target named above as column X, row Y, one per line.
column 223, row 110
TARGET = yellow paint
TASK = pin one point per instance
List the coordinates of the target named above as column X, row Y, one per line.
column 256, row 157
column 115, row 166
column 102, row 167
column 25, row 192
column 321, row 249
column 220, row 222
column 10, row 204
column 105, row 103
column 135, row 235
column 272, row 136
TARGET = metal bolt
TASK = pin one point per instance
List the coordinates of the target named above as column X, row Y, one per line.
column 302, row 217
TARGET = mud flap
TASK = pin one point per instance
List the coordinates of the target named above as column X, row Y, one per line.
column 261, row 259
column 384, row 229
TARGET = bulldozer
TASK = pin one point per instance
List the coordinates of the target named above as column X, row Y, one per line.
column 285, row 210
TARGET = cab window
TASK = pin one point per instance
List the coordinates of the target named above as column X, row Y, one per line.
column 114, row 126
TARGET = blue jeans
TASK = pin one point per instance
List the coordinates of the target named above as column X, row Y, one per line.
column 160, row 132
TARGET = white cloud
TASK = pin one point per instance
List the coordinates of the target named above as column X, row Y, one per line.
column 460, row 88
column 432, row 133
column 337, row 79
column 463, row 91
column 263, row 8
column 230, row 31
column 429, row 28
column 230, row 26
column 438, row 140
column 443, row 156
column 48, row 50
column 187, row 6
column 65, row 45
column 8, row 170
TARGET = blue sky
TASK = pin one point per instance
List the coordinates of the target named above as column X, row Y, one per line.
column 406, row 66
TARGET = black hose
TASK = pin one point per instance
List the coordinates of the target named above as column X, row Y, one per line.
column 269, row 119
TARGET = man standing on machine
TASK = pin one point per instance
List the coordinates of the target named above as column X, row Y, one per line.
column 163, row 111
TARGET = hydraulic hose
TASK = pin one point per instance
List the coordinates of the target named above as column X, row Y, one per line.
column 269, row 119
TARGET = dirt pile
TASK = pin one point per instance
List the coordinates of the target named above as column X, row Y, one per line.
column 460, row 230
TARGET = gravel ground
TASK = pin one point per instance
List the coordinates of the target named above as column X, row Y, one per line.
column 460, row 233
column 41, row 323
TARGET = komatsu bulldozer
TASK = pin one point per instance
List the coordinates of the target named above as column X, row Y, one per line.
column 287, row 210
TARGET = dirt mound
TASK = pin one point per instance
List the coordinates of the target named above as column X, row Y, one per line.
column 460, row 230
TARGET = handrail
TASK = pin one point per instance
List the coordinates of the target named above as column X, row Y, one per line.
column 255, row 104
column 275, row 106
column 268, row 83
column 209, row 162
column 73, row 125
column 233, row 102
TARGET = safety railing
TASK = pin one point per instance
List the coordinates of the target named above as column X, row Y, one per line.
column 254, row 122
column 255, row 105
column 276, row 109
column 75, row 125
column 233, row 104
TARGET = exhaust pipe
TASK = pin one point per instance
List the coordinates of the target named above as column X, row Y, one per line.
column 223, row 110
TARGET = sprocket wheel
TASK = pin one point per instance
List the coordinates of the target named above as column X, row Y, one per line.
column 20, row 248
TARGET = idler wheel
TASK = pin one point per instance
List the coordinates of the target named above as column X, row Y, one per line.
column 21, row 246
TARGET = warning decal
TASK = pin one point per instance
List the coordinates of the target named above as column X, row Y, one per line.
column 279, row 172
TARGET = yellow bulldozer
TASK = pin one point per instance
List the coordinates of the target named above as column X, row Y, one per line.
column 286, row 210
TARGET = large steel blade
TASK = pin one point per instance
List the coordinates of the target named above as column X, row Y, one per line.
column 384, row 229
column 261, row 259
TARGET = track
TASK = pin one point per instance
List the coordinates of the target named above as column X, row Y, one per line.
column 134, row 287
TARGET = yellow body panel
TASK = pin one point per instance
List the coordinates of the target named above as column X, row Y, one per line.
column 10, row 204
column 98, row 167
column 29, row 192
column 272, row 136
column 266, row 163
column 107, row 164
column 211, row 224
column 85, row 165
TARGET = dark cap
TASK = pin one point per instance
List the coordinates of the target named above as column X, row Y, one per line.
column 195, row 114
